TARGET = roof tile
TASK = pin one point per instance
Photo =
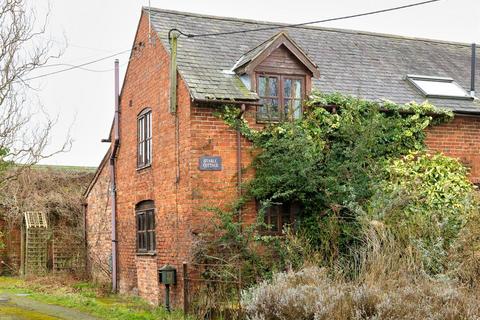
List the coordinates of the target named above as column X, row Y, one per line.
column 372, row 66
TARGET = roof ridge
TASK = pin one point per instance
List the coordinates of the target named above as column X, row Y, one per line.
column 327, row 29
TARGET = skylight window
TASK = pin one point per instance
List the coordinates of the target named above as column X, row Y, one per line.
column 438, row 87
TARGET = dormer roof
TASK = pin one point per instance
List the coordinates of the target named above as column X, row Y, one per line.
column 255, row 56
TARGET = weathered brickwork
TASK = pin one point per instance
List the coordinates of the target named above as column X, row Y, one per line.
column 98, row 228
column 147, row 278
column 459, row 138
column 146, row 86
column 174, row 182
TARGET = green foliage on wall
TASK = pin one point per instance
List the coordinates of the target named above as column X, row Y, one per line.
column 347, row 159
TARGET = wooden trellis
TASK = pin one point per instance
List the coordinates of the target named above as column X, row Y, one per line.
column 36, row 242
column 66, row 253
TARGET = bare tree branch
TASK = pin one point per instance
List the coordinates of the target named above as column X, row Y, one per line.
column 23, row 49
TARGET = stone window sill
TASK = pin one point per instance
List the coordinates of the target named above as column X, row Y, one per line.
column 146, row 254
column 142, row 168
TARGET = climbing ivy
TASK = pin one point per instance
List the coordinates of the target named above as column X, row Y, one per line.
column 332, row 160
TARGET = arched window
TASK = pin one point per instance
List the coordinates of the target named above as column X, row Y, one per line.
column 145, row 220
column 144, row 138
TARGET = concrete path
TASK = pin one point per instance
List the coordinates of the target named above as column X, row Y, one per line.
column 20, row 307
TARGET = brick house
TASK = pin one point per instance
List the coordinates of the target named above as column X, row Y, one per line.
column 168, row 161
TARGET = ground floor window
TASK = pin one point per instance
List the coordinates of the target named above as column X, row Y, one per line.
column 277, row 217
column 145, row 221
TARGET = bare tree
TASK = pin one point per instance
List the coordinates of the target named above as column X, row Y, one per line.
column 23, row 49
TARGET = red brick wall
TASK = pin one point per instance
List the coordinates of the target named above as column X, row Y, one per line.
column 147, row 278
column 146, row 85
column 212, row 137
column 98, row 228
column 177, row 144
column 459, row 138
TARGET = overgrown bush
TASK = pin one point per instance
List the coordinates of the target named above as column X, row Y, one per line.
column 312, row 294
column 332, row 163
column 55, row 191
column 464, row 255
column 386, row 220
column 424, row 201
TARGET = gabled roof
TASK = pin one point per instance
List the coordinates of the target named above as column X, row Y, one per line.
column 252, row 58
column 368, row 65
column 99, row 169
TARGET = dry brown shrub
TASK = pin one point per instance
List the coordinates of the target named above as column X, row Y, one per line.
column 465, row 254
column 312, row 294
column 56, row 191
column 390, row 284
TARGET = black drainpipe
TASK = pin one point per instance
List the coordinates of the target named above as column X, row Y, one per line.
column 113, row 157
column 473, row 69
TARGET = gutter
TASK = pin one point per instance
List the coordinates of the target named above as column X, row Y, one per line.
column 113, row 157
column 225, row 101
column 473, row 68
column 85, row 242
column 472, row 113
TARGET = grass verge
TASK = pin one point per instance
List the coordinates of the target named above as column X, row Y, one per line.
column 86, row 297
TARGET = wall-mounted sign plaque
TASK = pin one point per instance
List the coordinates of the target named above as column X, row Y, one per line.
column 209, row 163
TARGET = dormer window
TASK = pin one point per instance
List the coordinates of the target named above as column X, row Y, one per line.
column 280, row 72
column 281, row 97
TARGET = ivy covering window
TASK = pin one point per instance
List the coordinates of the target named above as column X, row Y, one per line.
column 277, row 217
column 145, row 221
column 280, row 97
column 144, row 153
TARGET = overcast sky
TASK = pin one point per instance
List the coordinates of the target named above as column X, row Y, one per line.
column 97, row 28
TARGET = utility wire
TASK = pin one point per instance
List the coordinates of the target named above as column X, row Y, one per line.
column 190, row 35
column 72, row 67
column 77, row 66
column 81, row 68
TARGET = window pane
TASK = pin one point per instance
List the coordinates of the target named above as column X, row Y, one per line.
column 274, row 104
column 288, row 109
column 151, row 223
column 273, row 86
column 271, row 218
column 298, row 89
column 297, row 113
column 262, row 83
column 287, row 88
column 138, row 237
column 140, row 153
column 286, row 215
column 141, row 240
column 272, row 108
column 274, row 221
column 149, row 125
column 262, row 110
column 151, row 241
column 148, row 151
column 141, row 127
column 148, row 243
